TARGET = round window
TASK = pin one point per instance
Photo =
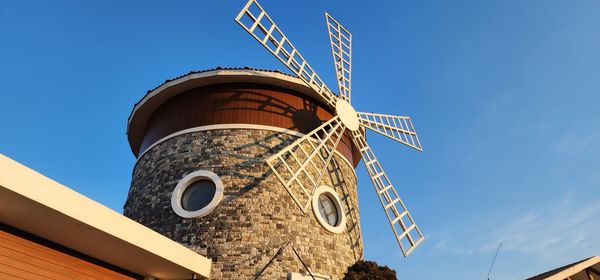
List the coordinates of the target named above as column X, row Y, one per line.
column 197, row 194
column 327, row 207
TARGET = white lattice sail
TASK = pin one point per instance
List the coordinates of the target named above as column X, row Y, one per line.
column 301, row 165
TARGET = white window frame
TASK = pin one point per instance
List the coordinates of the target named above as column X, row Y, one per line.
column 185, row 183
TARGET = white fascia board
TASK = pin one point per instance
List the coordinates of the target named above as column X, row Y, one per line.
column 38, row 205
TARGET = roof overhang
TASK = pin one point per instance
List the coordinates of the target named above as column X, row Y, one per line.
column 580, row 270
column 40, row 206
column 144, row 109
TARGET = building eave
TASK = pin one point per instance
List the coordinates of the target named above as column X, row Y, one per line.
column 40, row 206
column 568, row 271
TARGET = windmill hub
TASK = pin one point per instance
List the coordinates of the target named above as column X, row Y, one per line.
column 347, row 114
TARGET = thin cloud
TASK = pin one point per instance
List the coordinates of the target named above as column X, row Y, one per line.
column 577, row 142
column 560, row 231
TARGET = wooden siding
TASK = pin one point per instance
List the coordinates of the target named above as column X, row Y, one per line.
column 22, row 258
column 239, row 103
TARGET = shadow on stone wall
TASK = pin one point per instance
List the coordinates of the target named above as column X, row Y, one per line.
column 341, row 187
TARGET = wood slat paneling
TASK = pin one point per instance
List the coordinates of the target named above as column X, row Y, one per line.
column 27, row 259
column 16, row 243
column 239, row 103
column 9, row 276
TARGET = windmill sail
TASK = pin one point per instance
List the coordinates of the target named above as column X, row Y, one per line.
column 398, row 128
column 301, row 165
column 341, row 49
column 259, row 24
column 406, row 231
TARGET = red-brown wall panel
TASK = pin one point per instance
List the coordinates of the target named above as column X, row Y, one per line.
column 239, row 103
column 22, row 258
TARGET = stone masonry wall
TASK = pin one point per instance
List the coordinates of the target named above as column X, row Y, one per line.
column 257, row 229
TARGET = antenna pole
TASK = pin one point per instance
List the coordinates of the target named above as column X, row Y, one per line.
column 493, row 261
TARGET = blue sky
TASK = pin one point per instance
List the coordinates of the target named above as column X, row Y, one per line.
column 504, row 95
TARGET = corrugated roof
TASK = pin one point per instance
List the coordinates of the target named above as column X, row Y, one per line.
column 208, row 70
column 220, row 68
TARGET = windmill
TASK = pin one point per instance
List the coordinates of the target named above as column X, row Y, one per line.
column 309, row 156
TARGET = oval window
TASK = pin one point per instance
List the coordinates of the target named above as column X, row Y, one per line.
column 328, row 209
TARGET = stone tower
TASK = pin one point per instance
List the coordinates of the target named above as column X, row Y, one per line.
column 201, row 141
